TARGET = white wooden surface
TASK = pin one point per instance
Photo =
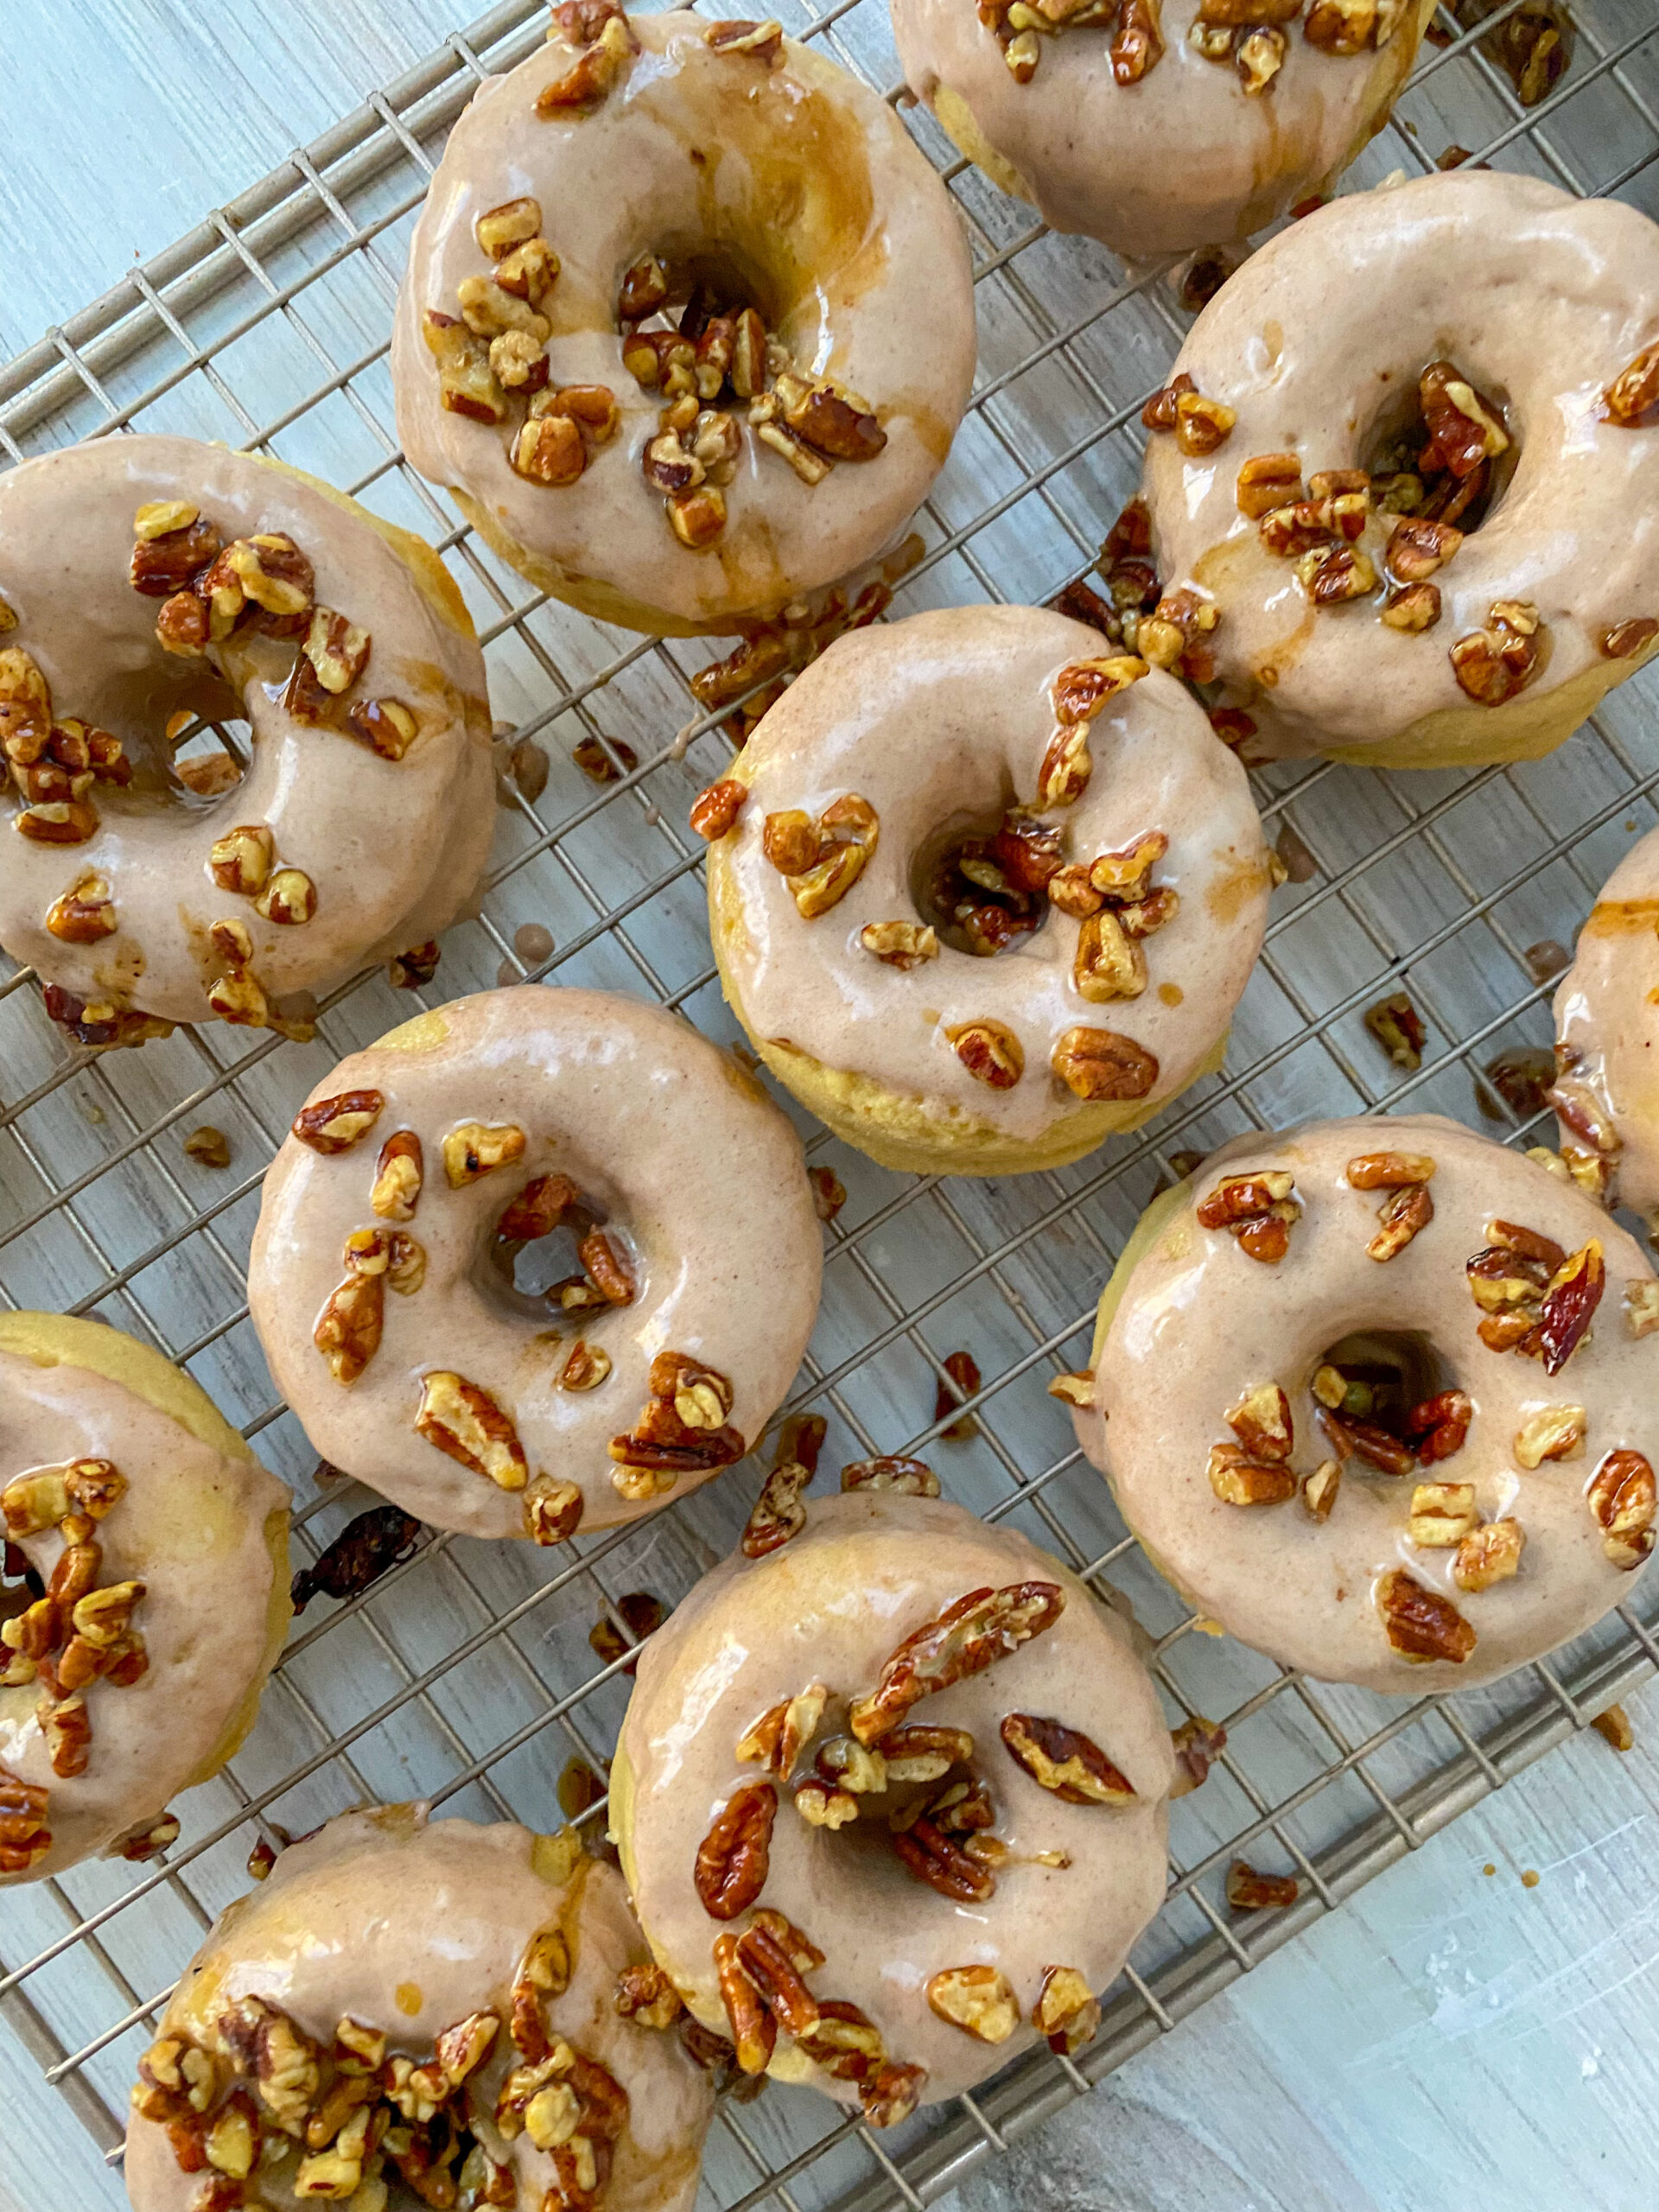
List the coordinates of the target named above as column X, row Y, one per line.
column 1450, row 2042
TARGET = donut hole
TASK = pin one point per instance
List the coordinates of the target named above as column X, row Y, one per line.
column 699, row 279
column 1424, row 455
column 208, row 756
column 530, row 1276
column 979, row 878
column 1388, row 1374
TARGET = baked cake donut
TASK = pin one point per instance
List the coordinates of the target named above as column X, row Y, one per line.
column 982, row 891
column 155, row 1603
column 1606, row 1089
column 401, row 1273
column 687, row 322
column 1154, row 127
column 1378, row 1396
column 418, row 2013
column 146, row 581
column 1404, row 481
column 891, row 1797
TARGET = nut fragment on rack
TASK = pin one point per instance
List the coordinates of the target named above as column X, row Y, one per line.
column 1420, row 1623
column 1398, row 1028
column 1489, row 1553
column 1197, row 1743
column 1613, row 1727
column 334, row 1125
column 464, row 1423
column 208, row 1146
column 1249, row 1889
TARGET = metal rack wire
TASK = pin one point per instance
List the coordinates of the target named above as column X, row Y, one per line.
column 467, row 1675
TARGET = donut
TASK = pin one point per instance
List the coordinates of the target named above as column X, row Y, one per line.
column 133, row 1652
column 1606, row 1089
column 146, row 582
column 1376, row 1395
column 891, row 1797
column 656, row 232
column 1403, row 483
column 961, row 948
column 429, row 2006
column 406, row 1274
column 1157, row 129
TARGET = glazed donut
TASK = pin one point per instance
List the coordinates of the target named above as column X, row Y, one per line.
column 1606, row 1089
column 147, row 581
column 430, row 2003
column 1159, row 129
column 911, row 767
column 1404, row 481
column 736, row 231
column 1349, row 1398
column 132, row 1660
column 942, row 1880
column 382, row 1277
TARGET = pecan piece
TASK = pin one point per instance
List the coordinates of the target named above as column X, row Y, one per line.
column 607, row 1267
column 1442, row 1515
column 1366, row 1441
column 1389, row 1171
column 899, row 944
column 1319, row 1490
column 1487, row 1554
column 982, row 1627
column 644, row 1994
column 933, row 1857
column 1569, row 1305
column 821, row 1805
column 1197, row 1744
column 754, row 2032
column 776, row 1740
column 924, row 1754
column 348, row 1329
column 1553, row 1433
column 978, row 2000
column 849, row 831
column 1065, row 1761
column 990, row 1052
column 1101, row 1064
column 892, row 2094
column 1621, row 1499
column 464, row 1423
column 1631, row 400
column 472, row 1149
column 1237, row 1479
column 1420, row 1623
column 84, row 914
column 766, row 1961
column 714, row 811
column 1084, row 688
column 397, row 1177
column 732, row 1858
column 1402, row 1216
column 1262, row 1422
column 1267, row 481
column 778, row 1514
column 1492, row 665
column 334, row 1125
column 891, row 1471
column 1439, row 1425
column 24, row 1835
column 553, row 1510
column 846, row 2043
column 1625, row 640
column 1067, row 2011
column 1250, row 1891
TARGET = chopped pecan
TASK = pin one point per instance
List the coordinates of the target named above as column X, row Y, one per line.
column 1237, row 1479
column 1201, row 424
column 899, row 944
column 1420, row 1623
column 1442, row 1515
column 1389, row 1171
column 891, row 1471
column 821, row 1805
column 1075, row 1389
column 84, row 915
column 1413, row 608
column 1065, row 1761
column 754, row 2032
column 778, row 1514
column 334, row 1125
column 607, row 1266
column 733, row 1858
column 1419, row 547
column 714, row 811
column 924, row 1754
column 1262, row 1422
column 348, row 1329
column 337, row 650
column 590, row 77
column 586, row 1368
column 978, row 2000
column 892, row 2094
column 1108, row 964
column 1569, row 1305
column 1067, row 764
column 990, row 1052
column 24, row 1836
column 1402, row 1216
column 980, row 1628
column 1101, row 1064
column 845, row 1764
column 1084, row 688
column 1631, row 400
column 645, row 1995
column 1197, row 1744
column 1622, row 1498
column 1489, row 1553
column 1492, row 665
column 1613, row 1727
column 1319, row 1490
column 472, row 1149
column 766, row 1961
column 1363, row 1438
column 935, row 1858
column 553, row 1510
column 777, row 1738
column 1398, row 1027
column 1250, row 1891
column 1439, row 1425
column 1625, row 640
column 464, row 1423
column 1240, row 1198
column 1552, row 1433
column 1268, row 482
column 1641, row 1307
column 386, row 726
column 1067, row 2011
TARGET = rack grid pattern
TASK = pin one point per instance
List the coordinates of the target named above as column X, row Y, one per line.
column 492, row 1679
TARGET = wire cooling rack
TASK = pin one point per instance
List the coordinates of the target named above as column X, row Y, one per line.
column 492, row 1679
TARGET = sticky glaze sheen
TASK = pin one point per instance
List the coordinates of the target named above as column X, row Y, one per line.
column 394, row 848
column 1197, row 1324
column 409, row 1925
column 829, row 1605
column 703, row 1178
column 801, row 171
column 1182, row 159
column 1540, row 298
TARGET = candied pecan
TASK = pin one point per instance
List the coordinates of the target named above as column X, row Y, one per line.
column 1625, row 640
column 1237, row 1199
column 1237, row 1479
column 1398, row 1027
column 1419, row 1623
column 1388, row 1171
column 1621, row 1499
column 1102, row 1063
column 1418, row 548
column 1084, row 688
column 1493, row 664
column 821, row 1804
column 899, row 944
column 24, row 1835
column 472, row 1150
column 892, row 2094
column 891, row 1471
column 776, row 1740
column 1439, row 1425
column 1066, row 767
column 538, row 1210
column 1569, row 1305
column 336, row 1124
column 778, row 1514
column 754, row 2032
column 1413, row 608
column 980, row 1627
column 464, row 1422
column 607, row 1266
column 1267, row 481
column 1442, row 1515
column 1067, row 2011
column 714, row 811
column 732, row 1859
column 1403, row 1215
column 590, row 78
column 347, row 1331
column 1250, row 1891
column 1489, row 1553
column 168, row 561
column 1552, row 1433
column 1613, row 1727
column 644, row 1994
column 409, row 971
column 1158, row 413
column 933, row 1857
column 990, row 1052
column 1319, row 1490
column 923, row 1754
column 1631, row 400
column 553, row 1510
column 1351, row 1438
column 1065, row 1761
column 766, row 1961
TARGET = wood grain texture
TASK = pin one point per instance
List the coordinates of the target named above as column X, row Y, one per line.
column 1449, row 2041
